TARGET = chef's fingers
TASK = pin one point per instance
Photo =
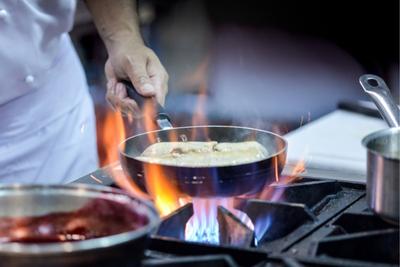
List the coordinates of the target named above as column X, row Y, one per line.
column 159, row 78
column 111, row 86
column 116, row 94
column 128, row 105
column 110, row 93
column 117, row 97
column 130, row 108
column 109, row 70
column 137, row 73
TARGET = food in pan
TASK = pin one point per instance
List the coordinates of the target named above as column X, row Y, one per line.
column 203, row 154
column 99, row 217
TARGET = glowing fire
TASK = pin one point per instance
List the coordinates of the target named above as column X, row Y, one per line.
column 199, row 116
column 116, row 172
column 165, row 195
column 203, row 226
column 275, row 193
column 163, row 192
column 262, row 226
column 110, row 133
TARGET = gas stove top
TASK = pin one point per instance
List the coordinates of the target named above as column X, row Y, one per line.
column 313, row 222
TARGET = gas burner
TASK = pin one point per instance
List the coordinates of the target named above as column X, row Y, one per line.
column 266, row 216
column 281, row 211
column 230, row 229
column 310, row 222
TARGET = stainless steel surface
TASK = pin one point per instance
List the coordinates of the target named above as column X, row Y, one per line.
column 164, row 124
column 383, row 172
column 30, row 200
column 383, row 156
column 154, row 109
column 377, row 89
column 385, row 143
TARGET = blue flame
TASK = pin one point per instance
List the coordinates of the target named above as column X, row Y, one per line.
column 262, row 226
column 203, row 226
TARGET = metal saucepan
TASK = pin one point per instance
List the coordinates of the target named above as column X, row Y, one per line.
column 383, row 158
column 213, row 181
column 124, row 249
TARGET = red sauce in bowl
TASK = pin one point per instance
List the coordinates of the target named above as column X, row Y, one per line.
column 98, row 218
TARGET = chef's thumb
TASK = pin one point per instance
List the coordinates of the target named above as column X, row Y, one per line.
column 141, row 81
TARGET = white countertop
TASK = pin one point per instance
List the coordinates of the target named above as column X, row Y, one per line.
column 331, row 146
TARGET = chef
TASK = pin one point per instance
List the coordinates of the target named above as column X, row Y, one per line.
column 47, row 123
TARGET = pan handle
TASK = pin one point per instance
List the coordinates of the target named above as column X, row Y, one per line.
column 377, row 89
column 161, row 117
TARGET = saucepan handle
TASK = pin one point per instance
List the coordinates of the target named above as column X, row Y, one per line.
column 161, row 117
column 377, row 89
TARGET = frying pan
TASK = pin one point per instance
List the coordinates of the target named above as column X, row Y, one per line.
column 211, row 181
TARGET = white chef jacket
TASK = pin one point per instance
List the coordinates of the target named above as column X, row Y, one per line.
column 47, row 125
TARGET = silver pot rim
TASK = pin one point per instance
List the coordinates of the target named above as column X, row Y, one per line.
column 375, row 135
column 15, row 248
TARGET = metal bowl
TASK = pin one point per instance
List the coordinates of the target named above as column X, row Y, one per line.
column 124, row 249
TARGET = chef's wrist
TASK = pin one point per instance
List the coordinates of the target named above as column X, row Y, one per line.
column 116, row 21
column 122, row 37
column 125, row 45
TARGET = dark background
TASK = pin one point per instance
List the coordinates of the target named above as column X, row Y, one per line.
column 268, row 64
column 368, row 30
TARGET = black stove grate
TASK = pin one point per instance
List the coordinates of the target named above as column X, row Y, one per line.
column 362, row 237
column 280, row 222
column 312, row 223
column 193, row 261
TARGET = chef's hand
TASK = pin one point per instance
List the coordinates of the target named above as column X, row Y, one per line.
column 140, row 65
column 129, row 58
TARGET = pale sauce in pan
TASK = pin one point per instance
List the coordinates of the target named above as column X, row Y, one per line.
column 203, row 154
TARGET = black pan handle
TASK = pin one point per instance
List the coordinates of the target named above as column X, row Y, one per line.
column 161, row 117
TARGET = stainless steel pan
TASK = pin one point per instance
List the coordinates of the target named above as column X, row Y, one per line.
column 125, row 249
column 383, row 156
column 213, row 181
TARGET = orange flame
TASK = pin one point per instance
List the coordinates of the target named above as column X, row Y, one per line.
column 119, row 177
column 164, row 193
column 199, row 115
column 198, row 79
column 295, row 175
column 275, row 193
column 110, row 133
column 270, row 192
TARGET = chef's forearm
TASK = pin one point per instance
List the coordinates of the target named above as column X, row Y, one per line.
column 115, row 20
